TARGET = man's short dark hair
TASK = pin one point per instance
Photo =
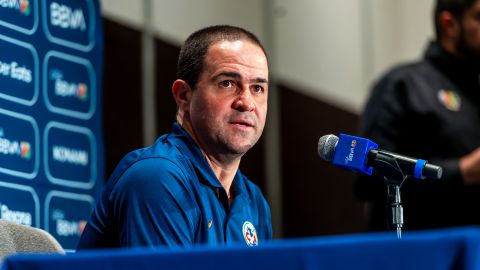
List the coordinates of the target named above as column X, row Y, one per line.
column 456, row 7
column 192, row 55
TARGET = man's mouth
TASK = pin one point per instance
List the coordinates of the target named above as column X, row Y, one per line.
column 243, row 122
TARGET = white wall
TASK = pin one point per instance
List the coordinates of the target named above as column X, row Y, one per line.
column 401, row 30
column 320, row 50
column 331, row 50
column 124, row 11
column 174, row 20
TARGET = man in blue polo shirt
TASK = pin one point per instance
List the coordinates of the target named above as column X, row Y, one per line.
column 186, row 188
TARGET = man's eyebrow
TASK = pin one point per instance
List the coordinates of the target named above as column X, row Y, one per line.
column 234, row 75
column 237, row 76
column 260, row 80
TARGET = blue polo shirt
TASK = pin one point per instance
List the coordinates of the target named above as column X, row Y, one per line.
column 168, row 195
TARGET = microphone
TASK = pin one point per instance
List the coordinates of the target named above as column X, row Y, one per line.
column 363, row 155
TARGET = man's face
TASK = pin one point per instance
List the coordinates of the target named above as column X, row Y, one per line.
column 229, row 104
column 468, row 42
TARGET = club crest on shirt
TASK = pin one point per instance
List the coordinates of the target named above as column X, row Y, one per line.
column 449, row 99
column 210, row 223
column 250, row 234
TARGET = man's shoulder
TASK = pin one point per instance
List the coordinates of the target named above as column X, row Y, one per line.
column 147, row 178
column 154, row 162
column 408, row 79
column 405, row 70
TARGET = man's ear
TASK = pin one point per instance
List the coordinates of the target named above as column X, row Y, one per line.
column 182, row 93
column 450, row 25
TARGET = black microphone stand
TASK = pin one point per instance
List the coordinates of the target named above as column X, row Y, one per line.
column 387, row 166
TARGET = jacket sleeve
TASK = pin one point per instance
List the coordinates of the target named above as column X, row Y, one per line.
column 154, row 206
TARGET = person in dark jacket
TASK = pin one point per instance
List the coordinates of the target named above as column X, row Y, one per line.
column 431, row 110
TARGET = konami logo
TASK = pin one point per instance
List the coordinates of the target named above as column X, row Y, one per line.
column 68, row 155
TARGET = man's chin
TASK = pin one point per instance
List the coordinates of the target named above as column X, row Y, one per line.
column 239, row 149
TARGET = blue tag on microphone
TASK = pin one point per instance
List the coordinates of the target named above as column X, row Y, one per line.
column 351, row 153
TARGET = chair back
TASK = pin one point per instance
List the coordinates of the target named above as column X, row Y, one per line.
column 15, row 238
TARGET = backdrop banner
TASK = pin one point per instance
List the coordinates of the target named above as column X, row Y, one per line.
column 51, row 142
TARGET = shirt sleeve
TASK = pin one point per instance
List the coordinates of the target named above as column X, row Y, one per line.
column 152, row 205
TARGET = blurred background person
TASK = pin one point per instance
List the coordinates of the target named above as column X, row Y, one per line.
column 430, row 109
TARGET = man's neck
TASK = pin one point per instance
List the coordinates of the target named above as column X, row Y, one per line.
column 223, row 166
column 224, row 170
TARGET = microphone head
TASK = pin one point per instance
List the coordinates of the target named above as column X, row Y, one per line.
column 326, row 146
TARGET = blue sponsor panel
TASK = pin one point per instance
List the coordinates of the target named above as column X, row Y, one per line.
column 18, row 71
column 50, row 112
column 70, row 23
column 19, row 145
column 69, row 85
column 70, row 155
column 19, row 15
column 19, row 204
column 63, row 223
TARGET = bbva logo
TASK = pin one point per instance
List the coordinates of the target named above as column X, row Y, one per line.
column 66, row 17
column 21, row 5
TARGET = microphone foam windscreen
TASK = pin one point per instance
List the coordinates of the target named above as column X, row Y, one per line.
column 326, row 146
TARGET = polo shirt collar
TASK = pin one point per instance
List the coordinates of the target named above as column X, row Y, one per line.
column 190, row 149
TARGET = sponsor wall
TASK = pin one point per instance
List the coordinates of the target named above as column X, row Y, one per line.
column 51, row 150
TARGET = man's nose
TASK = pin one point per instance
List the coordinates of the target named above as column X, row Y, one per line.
column 244, row 101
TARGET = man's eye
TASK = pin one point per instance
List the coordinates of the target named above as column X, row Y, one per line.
column 258, row 89
column 226, row 84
